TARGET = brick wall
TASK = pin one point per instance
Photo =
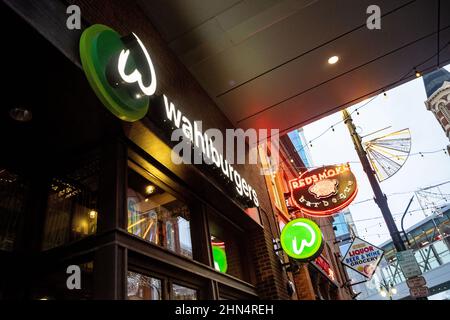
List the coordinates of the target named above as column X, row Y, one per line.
column 271, row 282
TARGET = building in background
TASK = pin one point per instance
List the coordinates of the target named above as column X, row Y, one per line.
column 437, row 87
column 300, row 143
column 344, row 227
column 430, row 240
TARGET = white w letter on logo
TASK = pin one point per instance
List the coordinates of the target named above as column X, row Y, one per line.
column 303, row 243
column 136, row 75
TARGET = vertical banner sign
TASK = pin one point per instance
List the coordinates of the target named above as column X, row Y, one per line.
column 301, row 239
column 363, row 257
column 324, row 191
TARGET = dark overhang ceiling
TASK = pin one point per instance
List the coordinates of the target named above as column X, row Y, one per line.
column 264, row 62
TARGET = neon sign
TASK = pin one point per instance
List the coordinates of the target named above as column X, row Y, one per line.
column 324, row 191
column 101, row 49
column 301, row 239
column 324, row 266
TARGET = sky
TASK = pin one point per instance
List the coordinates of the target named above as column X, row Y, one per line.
column 402, row 108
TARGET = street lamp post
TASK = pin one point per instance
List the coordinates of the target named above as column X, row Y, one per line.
column 380, row 198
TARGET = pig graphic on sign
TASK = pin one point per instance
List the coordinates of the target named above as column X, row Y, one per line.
column 324, row 188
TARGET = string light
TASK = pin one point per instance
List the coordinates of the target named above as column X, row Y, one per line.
column 421, row 153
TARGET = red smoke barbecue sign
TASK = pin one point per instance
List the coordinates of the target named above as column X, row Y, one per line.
column 324, row 191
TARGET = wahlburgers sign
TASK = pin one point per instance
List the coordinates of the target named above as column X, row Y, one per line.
column 122, row 75
column 324, row 191
column 301, row 239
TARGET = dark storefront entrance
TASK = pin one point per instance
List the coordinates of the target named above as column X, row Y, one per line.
column 79, row 187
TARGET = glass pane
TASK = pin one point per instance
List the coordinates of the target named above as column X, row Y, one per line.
column 228, row 247
column 72, row 206
column 13, row 193
column 142, row 287
column 157, row 216
column 183, row 293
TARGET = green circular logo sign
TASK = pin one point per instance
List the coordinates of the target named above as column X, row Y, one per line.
column 301, row 239
column 119, row 70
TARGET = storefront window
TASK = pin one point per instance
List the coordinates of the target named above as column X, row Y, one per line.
column 13, row 193
column 142, row 287
column 72, row 206
column 183, row 293
column 228, row 247
column 157, row 216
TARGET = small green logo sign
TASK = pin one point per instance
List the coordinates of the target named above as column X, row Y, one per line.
column 120, row 71
column 301, row 239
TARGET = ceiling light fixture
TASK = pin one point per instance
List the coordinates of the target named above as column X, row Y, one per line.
column 21, row 114
column 418, row 74
column 150, row 189
column 333, row 59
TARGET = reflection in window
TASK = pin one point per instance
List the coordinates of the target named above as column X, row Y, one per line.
column 219, row 255
column 142, row 287
column 72, row 205
column 13, row 193
column 157, row 216
column 228, row 247
column 183, row 293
